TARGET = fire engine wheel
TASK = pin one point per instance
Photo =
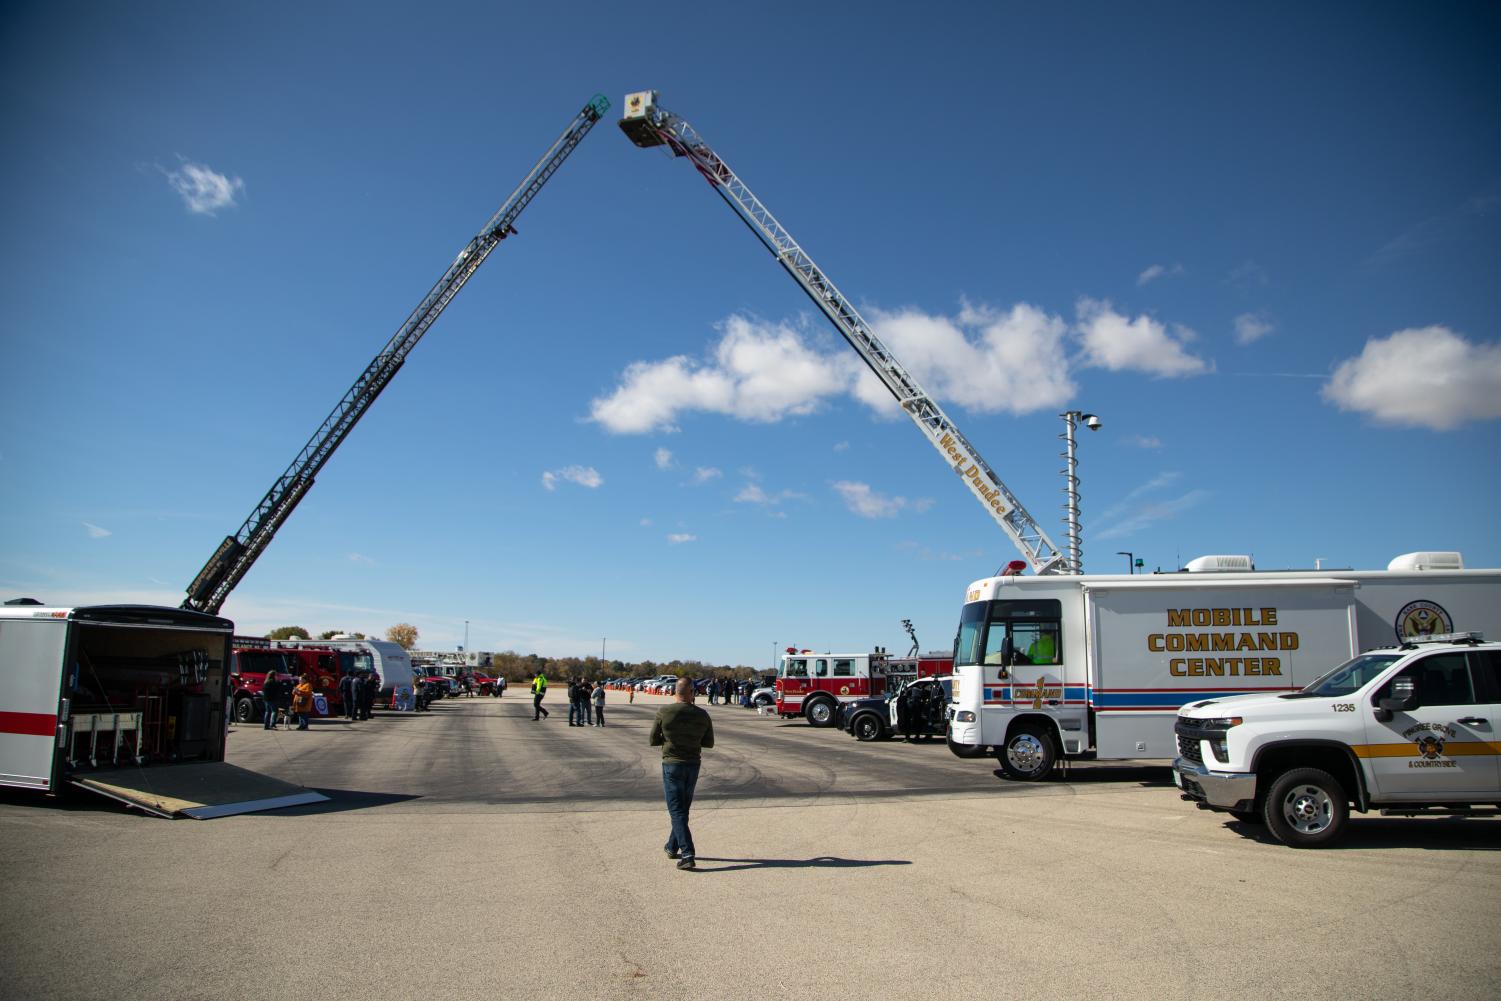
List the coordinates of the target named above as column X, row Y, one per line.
column 245, row 710
column 1028, row 755
column 1306, row 808
column 867, row 727
column 820, row 712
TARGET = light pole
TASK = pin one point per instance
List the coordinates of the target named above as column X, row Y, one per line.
column 1130, row 560
column 466, row 635
column 1071, row 486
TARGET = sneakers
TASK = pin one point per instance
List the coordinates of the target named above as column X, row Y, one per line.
column 686, row 862
column 671, row 852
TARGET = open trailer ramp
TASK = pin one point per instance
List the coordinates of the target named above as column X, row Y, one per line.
column 202, row 791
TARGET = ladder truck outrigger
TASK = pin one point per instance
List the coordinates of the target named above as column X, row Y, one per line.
column 648, row 124
column 238, row 553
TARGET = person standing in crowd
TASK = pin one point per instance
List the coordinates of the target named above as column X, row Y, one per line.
column 302, row 700
column 347, row 695
column 539, row 690
column 598, row 698
column 573, row 702
column 368, row 691
column 586, row 702
column 272, row 697
column 682, row 730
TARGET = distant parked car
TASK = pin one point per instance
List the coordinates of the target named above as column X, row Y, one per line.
column 764, row 696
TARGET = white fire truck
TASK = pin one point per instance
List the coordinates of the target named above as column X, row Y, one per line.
column 812, row 684
column 1098, row 666
column 127, row 701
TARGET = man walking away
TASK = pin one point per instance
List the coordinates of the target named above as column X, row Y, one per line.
column 681, row 730
column 598, row 698
column 539, row 689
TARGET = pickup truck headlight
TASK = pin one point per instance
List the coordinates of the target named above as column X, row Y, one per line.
column 1213, row 731
column 1217, row 734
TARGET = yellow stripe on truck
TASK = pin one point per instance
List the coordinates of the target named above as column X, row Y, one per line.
column 1452, row 749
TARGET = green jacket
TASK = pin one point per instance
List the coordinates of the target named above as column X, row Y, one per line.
column 682, row 731
column 539, row 684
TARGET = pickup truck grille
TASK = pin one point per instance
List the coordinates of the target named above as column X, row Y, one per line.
column 1188, row 747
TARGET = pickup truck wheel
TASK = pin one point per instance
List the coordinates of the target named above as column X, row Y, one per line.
column 245, row 710
column 1306, row 808
column 820, row 712
column 867, row 727
column 1028, row 755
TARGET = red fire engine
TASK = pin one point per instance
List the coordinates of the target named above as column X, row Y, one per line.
column 812, row 684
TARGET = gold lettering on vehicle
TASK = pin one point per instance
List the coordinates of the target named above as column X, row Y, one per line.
column 1237, row 637
column 974, row 473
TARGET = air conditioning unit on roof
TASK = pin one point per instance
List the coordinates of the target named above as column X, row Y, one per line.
column 1219, row 564
column 1427, row 561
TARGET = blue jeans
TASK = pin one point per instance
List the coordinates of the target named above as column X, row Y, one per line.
column 678, row 780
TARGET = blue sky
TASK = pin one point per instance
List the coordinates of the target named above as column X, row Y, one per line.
column 1260, row 241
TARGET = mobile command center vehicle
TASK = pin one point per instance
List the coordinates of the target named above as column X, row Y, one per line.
column 1098, row 666
column 128, row 701
column 1407, row 730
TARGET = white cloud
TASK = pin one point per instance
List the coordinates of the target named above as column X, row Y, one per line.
column 1136, row 511
column 663, row 458
column 95, row 532
column 1148, row 514
column 758, row 372
column 204, row 191
column 841, row 446
column 584, row 476
column 752, row 493
column 1424, row 377
column 361, row 558
column 1157, row 271
column 868, row 503
column 646, row 522
column 678, row 538
column 1251, row 327
column 1143, row 441
column 985, row 360
column 1112, row 341
column 703, row 474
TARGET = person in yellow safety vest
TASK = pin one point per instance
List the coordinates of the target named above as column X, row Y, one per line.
column 1044, row 649
column 539, row 689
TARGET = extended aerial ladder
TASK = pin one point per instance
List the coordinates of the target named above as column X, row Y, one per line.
column 238, row 553
column 648, row 124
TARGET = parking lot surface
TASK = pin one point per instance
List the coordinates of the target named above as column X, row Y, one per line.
column 470, row 852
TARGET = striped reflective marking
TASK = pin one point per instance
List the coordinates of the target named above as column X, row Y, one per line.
column 1452, row 749
column 29, row 724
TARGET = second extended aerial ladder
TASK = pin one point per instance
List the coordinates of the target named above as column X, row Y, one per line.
column 647, row 124
column 238, row 553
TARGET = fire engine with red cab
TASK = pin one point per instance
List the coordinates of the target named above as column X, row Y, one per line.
column 812, row 685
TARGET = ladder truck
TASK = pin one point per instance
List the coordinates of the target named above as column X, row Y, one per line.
column 238, row 553
column 648, row 124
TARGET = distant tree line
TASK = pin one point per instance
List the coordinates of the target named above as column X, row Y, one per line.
column 523, row 667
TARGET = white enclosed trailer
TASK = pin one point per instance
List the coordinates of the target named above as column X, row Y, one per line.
column 1097, row 666
column 127, row 701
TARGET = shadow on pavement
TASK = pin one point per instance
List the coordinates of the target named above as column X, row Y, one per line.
column 821, row 862
column 1434, row 834
column 1139, row 775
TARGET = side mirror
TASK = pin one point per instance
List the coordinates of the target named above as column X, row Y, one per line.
column 1403, row 698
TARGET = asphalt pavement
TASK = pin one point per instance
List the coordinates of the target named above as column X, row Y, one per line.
column 470, row 852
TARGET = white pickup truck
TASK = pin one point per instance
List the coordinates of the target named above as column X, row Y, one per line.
column 1408, row 730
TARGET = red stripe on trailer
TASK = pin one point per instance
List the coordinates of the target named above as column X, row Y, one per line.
column 29, row 724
